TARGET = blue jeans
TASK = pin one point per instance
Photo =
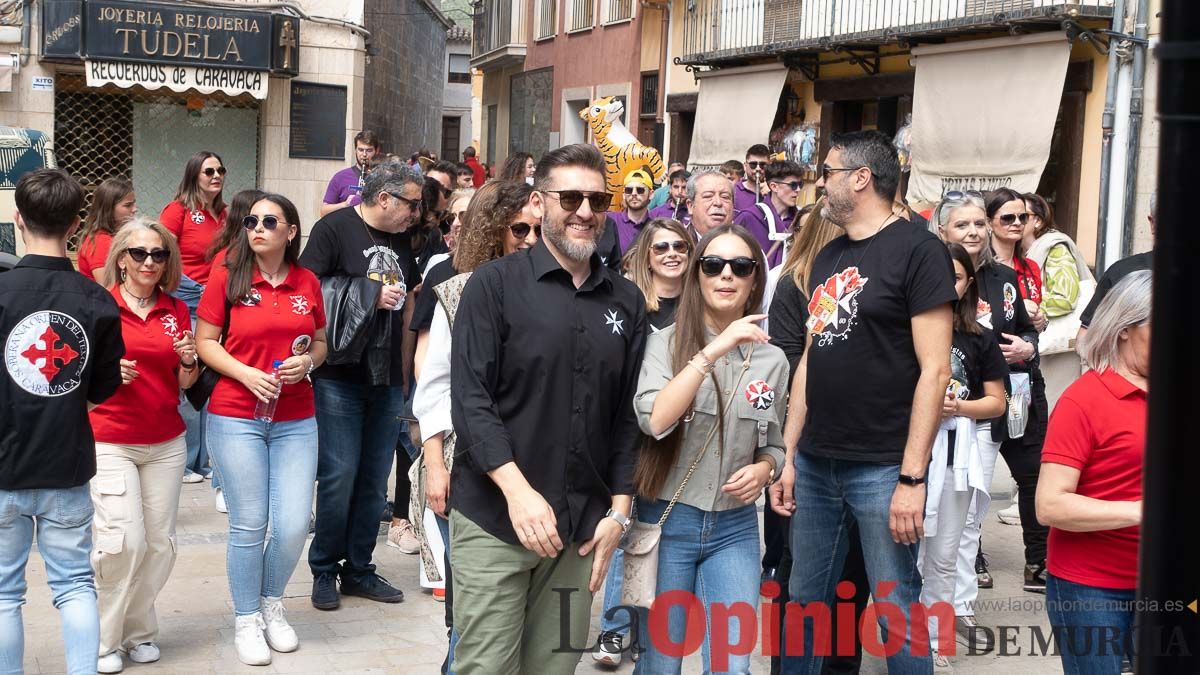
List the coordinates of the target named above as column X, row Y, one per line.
column 614, row 583
column 268, row 468
column 189, row 292
column 830, row 494
column 714, row 556
column 64, row 533
column 1093, row 626
column 358, row 429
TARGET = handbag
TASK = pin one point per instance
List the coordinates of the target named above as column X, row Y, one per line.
column 1018, row 404
column 200, row 391
column 640, row 546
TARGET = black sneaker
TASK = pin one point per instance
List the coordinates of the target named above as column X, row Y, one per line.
column 1035, row 578
column 386, row 516
column 983, row 578
column 609, row 648
column 325, row 592
column 372, row 587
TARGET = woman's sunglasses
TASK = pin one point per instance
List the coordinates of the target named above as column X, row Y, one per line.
column 635, row 190
column 741, row 266
column 962, row 195
column 158, row 255
column 571, row 200
column 268, row 222
column 210, row 172
column 661, row 247
column 1010, row 218
column 521, row 230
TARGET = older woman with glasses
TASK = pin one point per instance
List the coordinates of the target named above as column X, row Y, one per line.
column 140, row 449
column 1090, row 492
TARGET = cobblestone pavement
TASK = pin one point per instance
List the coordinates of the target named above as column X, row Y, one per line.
column 196, row 615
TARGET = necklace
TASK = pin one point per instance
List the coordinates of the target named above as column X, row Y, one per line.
column 837, row 265
column 142, row 303
column 272, row 276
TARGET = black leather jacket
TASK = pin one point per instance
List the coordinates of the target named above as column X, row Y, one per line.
column 357, row 332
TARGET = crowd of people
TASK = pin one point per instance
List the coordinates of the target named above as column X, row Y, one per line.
column 571, row 399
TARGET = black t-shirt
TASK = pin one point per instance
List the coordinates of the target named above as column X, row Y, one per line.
column 665, row 316
column 975, row 359
column 422, row 318
column 862, row 367
column 342, row 244
column 609, row 246
column 786, row 318
column 1116, row 272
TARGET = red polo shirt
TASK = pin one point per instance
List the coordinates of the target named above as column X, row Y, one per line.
column 270, row 324
column 93, row 252
column 146, row 410
column 195, row 231
column 1098, row 427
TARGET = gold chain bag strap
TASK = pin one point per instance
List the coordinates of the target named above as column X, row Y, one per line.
column 641, row 542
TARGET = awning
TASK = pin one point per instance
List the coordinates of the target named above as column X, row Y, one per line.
column 984, row 112
column 734, row 111
column 206, row 80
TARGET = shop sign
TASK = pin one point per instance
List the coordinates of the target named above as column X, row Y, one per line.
column 171, row 34
column 204, row 79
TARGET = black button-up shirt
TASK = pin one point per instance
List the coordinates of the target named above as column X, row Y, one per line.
column 543, row 375
column 62, row 349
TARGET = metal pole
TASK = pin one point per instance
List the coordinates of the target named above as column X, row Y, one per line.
column 1133, row 145
column 1168, row 640
column 1107, row 122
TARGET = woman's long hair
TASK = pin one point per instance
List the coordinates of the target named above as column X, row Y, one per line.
column 188, row 193
column 816, row 232
column 485, row 223
column 239, row 208
column 691, row 335
column 172, row 269
column 514, row 167
column 1039, row 207
column 637, row 258
column 966, row 307
column 995, row 200
column 240, row 260
column 104, row 200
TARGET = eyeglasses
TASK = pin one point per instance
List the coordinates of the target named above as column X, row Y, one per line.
column 210, row 172
column 571, row 200
column 795, row 185
column 413, row 204
column 446, row 192
column 661, row 247
column 158, row 255
column 635, row 190
column 756, row 164
column 268, row 222
column 521, row 230
column 741, row 266
column 962, row 195
column 826, row 170
column 1013, row 218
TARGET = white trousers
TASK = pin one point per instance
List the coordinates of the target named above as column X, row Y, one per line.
column 966, row 589
column 938, row 555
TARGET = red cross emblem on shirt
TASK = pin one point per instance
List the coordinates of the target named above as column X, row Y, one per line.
column 55, row 355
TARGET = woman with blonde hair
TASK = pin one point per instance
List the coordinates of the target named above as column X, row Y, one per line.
column 140, row 449
column 113, row 205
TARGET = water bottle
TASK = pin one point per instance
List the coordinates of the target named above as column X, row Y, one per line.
column 265, row 412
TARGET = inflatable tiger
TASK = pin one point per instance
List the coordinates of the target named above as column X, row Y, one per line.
column 622, row 151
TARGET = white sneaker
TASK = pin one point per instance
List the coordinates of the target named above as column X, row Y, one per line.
column 280, row 635
column 110, row 663
column 221, row 508
column 1010, row 515
column 192, row 477
column 147, row 652
column 252, row 648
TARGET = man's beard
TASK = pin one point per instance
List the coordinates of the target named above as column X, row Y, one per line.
column 836, row 209
column 556, row 234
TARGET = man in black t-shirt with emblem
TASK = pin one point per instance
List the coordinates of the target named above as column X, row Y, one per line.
column 867, row 398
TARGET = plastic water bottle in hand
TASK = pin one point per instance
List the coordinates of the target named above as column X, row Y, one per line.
column 265, row 411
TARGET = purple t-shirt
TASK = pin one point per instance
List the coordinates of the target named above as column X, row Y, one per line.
column 743, row 196
column 627, row 230
column 755, row 221
column 345, row 183
column 668, row 211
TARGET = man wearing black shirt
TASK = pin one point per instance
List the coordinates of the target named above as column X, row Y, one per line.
column 358, row 403
column 867, row 398
column 62, row 353
column 545, row 360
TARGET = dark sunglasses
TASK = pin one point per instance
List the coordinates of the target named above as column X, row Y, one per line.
column 268, row 222
column 571, row 200
column 158, row 255
column 211, row 171
column 1010, row 218
column 661, row 247
column 826, row 170
column 741, row 266
column 521, row 230
column 756, row 165
column 795, row 185
column 631, row 190
column 962, row 195
column 413, row 204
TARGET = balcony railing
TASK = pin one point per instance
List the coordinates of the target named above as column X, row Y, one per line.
column 499, row 31
column 724, row 29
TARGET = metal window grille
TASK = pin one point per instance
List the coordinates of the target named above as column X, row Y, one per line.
column 147, row 136
column 547, row 22
column 649, row 95
column 581, row 14
column 620, row 10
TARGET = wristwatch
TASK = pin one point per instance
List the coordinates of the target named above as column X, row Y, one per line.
column 621, row 518
column 911, row 480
